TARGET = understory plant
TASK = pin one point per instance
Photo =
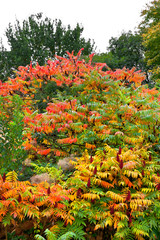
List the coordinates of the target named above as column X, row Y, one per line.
column 51, row 236
column 12, row 153
column 27, row 209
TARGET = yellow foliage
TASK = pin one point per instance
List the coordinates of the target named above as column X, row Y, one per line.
column 108, row 149
column 91, row 196
column 115, row 196
column 12, row 176
column 102, row 183
column 45, row 141
column 133, row 174
column 121, row 215
column 126, row 181
column 98, row 226
column 135, row 204
column 140, row 233
column 104, row 174
column 109, row 222
column 72, row 197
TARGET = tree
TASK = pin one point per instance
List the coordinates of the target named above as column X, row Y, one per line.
column 39, row 39
column 149, row 29
column 5, row 62
column 151, row 15
column 128, row 51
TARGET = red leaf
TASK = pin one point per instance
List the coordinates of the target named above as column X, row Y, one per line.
column 48, row 191
column 121, row 164
column 118, row 157
column 128, row 213
column 112, row 210
column 79, row 192
column 31, row 191
column 30, row 67
column 144, row 163
column 120, row 150
column 158, row 186
column 95, row 170
column 44, row 151
column 4, row 177
column 91, row 159
column 130, row 219
column 150, row 157
column 128, row 196
column 3, row 198
column 89, row 183
column 19, row 198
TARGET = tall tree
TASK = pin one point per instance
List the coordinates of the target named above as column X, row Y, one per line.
column 124, row 51
column 151, row 15
column 3, row 61
column 38, row 39
column 127, row 50
column 150, row 30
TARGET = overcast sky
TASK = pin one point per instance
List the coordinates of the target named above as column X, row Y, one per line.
column 101, row 19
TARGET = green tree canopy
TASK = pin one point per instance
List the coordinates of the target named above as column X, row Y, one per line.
column 4, row 61
column 150, row 30
column 151, row 15
column 127, row 50
column 38, row 39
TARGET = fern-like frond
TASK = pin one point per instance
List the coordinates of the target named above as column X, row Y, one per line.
column 130, row 165
column 104, row 175
column 102, row 183
column 7, row 219
column 124, row 233
column 133, row 174
column 148, row 190
column 50, row 235
column 91, row 196
column 121, row 215
column 115, row 196
column 39, row 237
column 12, row 176
column 30, row 211
column 139, row 203
column 126, row 181
column 107, row 222
column 67, row 236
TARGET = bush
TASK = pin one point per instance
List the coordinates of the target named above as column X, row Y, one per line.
column 106, row 119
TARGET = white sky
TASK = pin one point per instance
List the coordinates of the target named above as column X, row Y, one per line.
column 101, row 19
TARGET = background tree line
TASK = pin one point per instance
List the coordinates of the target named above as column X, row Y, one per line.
column 38, row 39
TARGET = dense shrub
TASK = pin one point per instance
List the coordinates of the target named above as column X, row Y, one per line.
column 106, row 119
